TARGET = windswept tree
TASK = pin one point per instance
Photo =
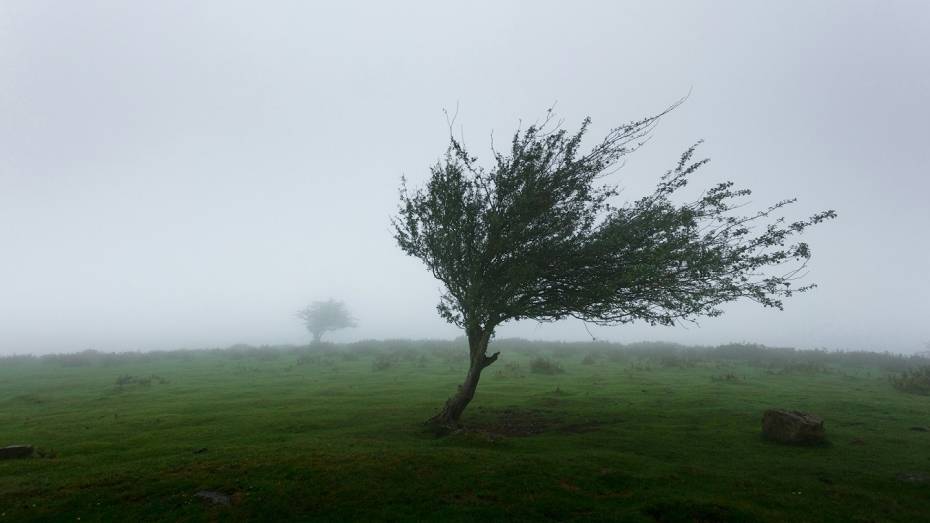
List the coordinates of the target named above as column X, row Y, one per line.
column 321, row 317
column 536, row 235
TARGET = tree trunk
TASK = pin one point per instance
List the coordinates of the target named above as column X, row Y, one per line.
column 448, row 418
column 316, row 337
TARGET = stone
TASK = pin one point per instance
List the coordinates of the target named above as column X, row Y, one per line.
column 217, row 498
column 791, row 426
column 913, row 477
column 16, row 451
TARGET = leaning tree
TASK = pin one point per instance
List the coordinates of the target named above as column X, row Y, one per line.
column 321, row 317
column 537, row 236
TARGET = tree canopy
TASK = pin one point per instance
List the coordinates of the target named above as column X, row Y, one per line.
column 321, row 317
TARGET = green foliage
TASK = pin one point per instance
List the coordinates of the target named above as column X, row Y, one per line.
column 728, row 377
column 511, row 370
column 536, row 236
column 914, row 381
column 800, row 367
column 540, row 365
column 127, row 380
column 321, row 317
column 384, row 361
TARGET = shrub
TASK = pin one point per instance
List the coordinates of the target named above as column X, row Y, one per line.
column 452, row 356
column 914, row 381
column 540, row 365
column 727, row 378
column 675, row 362
column 511, row 370
column 17, row 359
column 803, row 368
column 384, row 361
column 640, row 366
column 309, row 359
column 79, row 359
column 127, row 380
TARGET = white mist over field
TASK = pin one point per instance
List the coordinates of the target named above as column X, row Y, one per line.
column 177, row 174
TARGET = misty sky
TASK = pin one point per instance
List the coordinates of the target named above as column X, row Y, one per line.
column 189, row 174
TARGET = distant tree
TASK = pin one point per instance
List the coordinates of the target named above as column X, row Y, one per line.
column 321, row 317
column 536, row 237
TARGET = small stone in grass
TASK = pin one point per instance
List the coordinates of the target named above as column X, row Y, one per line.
column 913, row 477
column 217, row 498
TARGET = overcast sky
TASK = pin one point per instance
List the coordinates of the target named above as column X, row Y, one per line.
column 189, row 174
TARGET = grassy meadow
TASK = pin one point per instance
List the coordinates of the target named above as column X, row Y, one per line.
column 584, row 431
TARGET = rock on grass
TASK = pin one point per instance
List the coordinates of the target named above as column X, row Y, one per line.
column 217, row 498
column 16, row 451
column 794, row 427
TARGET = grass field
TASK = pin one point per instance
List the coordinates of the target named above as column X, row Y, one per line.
column 636, row 433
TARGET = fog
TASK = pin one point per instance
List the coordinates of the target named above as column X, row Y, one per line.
column 177, row 174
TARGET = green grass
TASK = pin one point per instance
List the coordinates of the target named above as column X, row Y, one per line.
column 340, row 437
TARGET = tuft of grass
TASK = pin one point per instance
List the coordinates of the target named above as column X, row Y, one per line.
column 127, row 380
column 384, row 361
column 511, row 370
column 728, row 377
column 541, row 365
